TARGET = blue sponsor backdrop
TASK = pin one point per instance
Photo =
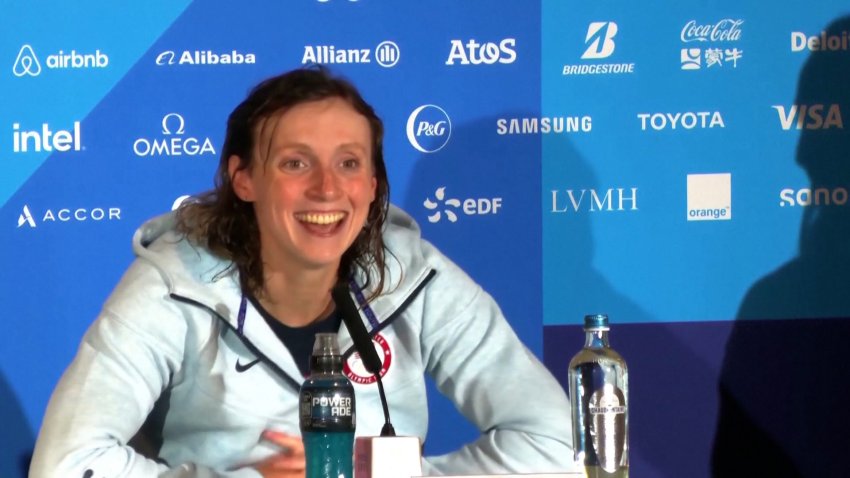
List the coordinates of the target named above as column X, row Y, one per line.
column 682, row 168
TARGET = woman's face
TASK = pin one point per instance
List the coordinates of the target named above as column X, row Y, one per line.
column 311, row 183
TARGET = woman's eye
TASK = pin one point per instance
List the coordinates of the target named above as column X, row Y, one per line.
column 293, row 163
column 350, row 163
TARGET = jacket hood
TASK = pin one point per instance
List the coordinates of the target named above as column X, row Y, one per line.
column 191, row 271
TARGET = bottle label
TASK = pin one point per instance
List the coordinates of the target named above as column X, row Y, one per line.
column 327, row 410
column 607, row 410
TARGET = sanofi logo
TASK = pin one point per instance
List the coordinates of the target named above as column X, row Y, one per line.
column 709, row 197
column 450, row 207
column 27, row 63
column 174, row 141
column 813, row 197
column 429, row 128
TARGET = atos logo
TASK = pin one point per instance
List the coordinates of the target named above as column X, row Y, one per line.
column 429, row 128
column 474, row 53
column 600, row 40
column 204, row 57
column 173, row 142
column 27, row 64
column 67, row 215
column 817, row 197
column 809, row 116
column 592, row 200
column 24, row 141
column 451, row 207
column 709, row 197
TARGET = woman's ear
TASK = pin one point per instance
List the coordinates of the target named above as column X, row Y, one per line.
column 243, row 184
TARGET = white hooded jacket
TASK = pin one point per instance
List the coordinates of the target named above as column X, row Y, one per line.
column 168, row 348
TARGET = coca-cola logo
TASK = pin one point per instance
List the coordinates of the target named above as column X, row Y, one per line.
column 725, row 30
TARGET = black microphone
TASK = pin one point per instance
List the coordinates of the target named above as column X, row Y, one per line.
column 363, row 346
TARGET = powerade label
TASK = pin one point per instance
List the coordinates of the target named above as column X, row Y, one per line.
column 327, row 410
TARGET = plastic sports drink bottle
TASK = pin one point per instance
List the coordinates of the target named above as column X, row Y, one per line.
column 327, row 416
column 599, row 398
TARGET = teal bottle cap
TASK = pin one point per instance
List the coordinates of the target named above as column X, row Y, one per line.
column 596, row 321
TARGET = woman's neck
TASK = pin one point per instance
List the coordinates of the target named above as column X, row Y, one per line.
column 298, row 298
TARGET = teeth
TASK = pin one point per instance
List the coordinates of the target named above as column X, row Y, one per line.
column 317, row 218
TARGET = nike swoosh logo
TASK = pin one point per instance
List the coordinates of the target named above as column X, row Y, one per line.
column 241, row 368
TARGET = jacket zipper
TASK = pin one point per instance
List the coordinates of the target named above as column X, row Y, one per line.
column 279, row 371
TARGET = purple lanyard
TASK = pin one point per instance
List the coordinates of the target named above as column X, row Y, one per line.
column 358, row 294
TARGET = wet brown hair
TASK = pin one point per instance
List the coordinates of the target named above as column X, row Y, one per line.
column 227, row 225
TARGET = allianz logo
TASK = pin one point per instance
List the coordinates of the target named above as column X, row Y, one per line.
column 174, row 141
column 544, row 125
column 27, row 63
column 823, row 42
column 386, row 54
column 67, row 215
column 451, row 207
column 594, row 200
column 814, row 116
column 821, row 196
column 46, row 139
column 679, row 120
column 204, row 57
column 428, row 128
column 473, row 52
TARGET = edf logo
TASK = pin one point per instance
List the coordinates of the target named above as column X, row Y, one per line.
column 450, row 207
column 599, row 40
column 429, row 128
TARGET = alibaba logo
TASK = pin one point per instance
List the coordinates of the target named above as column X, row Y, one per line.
column 165, row 58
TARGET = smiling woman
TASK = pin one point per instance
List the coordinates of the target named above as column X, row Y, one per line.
column 196, row 359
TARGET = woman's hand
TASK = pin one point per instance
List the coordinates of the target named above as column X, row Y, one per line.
column 289, row 462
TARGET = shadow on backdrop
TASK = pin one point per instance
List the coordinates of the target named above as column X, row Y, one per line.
column 672, row 366
column 504, row 253
column 16, row 437
column 784, row 383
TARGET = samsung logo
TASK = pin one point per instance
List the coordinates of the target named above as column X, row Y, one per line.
column 544, row 125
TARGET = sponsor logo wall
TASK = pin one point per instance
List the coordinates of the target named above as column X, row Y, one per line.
column 581, row 158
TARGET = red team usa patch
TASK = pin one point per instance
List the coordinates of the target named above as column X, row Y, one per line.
column 357, row 373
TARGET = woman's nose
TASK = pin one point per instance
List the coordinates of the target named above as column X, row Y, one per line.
column 325, row 184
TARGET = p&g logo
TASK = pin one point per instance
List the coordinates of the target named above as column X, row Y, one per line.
column 429, row 128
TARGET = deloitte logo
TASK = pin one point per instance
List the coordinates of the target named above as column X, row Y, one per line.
column 448, row 207
column 204, row 57
column 709, row 197
column 66, row 215
column 173, row 142
column 429, row 128
column 27, row 64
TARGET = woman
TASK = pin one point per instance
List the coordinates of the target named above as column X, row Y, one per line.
column 204, row 342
